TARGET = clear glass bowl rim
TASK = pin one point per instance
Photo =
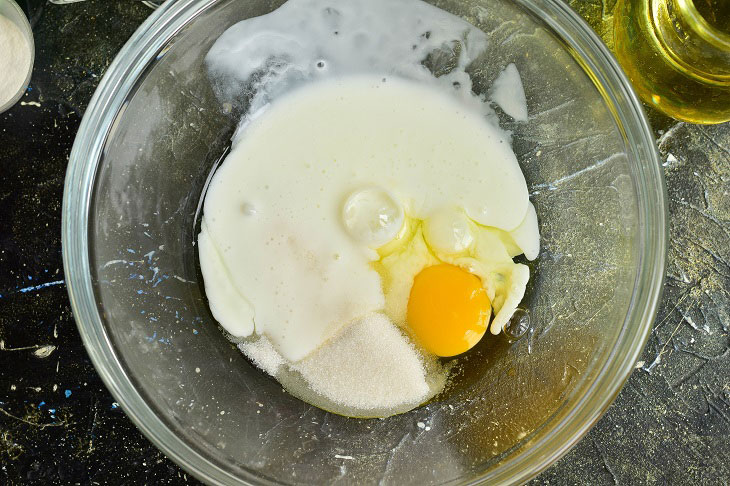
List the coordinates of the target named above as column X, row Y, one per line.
column 120, row 80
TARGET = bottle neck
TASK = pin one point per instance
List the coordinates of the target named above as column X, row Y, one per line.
column 696, row 47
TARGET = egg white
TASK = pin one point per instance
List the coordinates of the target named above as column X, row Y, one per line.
column 489, row 257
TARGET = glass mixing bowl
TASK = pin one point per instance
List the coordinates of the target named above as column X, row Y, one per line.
column 148, row 143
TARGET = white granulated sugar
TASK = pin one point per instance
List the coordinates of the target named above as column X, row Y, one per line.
column 15, row 58
column 370, row 365
column 263, row 355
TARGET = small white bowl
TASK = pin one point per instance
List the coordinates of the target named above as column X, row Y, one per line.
column 10, row 10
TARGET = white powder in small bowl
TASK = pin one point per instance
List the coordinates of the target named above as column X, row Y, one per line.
column 15, row 59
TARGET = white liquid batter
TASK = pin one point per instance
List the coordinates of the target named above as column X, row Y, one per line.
column 307, row 40
column 359, row 123
column 273, row 210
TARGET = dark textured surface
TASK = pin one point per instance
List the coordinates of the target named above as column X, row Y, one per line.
column 59, row 425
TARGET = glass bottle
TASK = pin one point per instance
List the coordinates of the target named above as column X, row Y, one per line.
column 677, row 55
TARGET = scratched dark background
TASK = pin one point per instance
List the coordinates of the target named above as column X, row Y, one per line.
column 59, row 425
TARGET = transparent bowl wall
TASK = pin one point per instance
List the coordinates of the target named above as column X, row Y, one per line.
column 149, row 141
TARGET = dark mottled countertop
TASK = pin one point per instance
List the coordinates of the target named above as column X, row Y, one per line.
column 59, row 425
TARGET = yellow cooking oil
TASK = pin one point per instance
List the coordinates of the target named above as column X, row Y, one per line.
column 677, row 55
column 715, row 12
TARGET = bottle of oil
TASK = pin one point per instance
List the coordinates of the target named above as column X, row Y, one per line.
column 677, row 55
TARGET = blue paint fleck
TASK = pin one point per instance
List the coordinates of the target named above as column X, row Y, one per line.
column 41, row 286
column 115, row 405
column 142, row 312
column 52, row 410
column 30, row 277
column 67, row 393
column 140, row 291
column 195, row 331
column 154, row 336
column 129, row 250
column 153, row 319
column 41, row 404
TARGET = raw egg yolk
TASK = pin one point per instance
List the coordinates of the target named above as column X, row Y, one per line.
column 448, row 309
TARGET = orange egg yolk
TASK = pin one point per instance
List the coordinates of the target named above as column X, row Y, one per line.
column 448, row 309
